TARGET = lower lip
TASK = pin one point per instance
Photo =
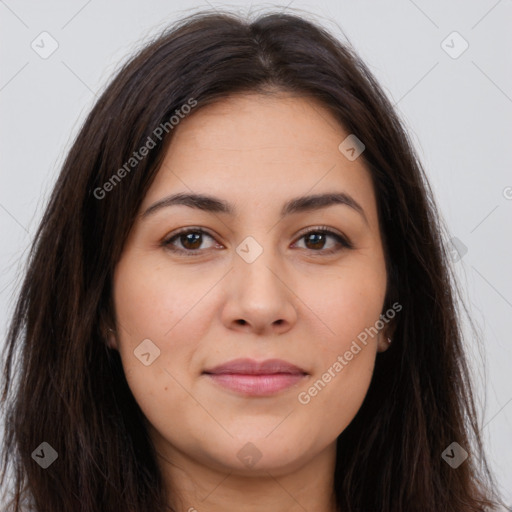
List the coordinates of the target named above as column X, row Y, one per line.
column 256, row 385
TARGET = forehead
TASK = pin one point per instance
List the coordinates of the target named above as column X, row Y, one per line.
column 270, row 125
column 268, row 147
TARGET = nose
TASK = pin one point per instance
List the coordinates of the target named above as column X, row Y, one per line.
column 259, row 299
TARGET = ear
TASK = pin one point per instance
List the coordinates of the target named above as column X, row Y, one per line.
column 385, row 335
column 111, row 339
column 108, row 333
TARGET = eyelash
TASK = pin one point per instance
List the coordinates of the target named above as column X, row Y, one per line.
column 343, row 241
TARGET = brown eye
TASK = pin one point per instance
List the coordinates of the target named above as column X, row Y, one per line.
column 317, row 240
column 188, row 241
column 191, row 240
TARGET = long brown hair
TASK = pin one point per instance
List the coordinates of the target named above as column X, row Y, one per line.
column 65, row 387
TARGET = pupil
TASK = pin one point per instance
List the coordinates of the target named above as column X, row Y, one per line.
column 191, row 238
column 318, row 241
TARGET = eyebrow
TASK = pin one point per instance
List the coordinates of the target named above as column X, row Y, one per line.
column 297, row 205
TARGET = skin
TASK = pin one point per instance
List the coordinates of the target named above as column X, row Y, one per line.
column 297, row 302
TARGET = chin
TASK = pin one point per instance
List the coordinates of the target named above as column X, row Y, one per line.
column 257, row 455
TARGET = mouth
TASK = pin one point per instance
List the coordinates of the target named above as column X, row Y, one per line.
column 253, row 378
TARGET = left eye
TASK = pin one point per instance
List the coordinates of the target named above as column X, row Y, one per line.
column 314, row 240
column 318, row 237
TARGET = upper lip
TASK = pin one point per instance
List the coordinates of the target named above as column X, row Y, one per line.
column 252, row 367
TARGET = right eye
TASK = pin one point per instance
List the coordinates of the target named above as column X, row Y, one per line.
column 190, row 240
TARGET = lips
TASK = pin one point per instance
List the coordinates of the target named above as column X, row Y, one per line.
column 253, row 378
column 251, row 367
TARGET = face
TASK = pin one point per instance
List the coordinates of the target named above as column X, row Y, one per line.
column 252, row 275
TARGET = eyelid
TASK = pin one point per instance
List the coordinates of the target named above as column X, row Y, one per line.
column 341, row 239
column 166, row 242
column 323, row 229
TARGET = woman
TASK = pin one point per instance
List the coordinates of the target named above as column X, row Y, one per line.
column 238, row 296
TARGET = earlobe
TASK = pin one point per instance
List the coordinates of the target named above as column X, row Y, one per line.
column 385, row 338
column 108, row 334
column 111, row 340
column 383, row 343
column 109, row 337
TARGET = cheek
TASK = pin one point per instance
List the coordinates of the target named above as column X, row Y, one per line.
column 166, row 309
column 348, row 306
column 343, row 372
column 150, row 301
column 336, row 396
column 165, row 403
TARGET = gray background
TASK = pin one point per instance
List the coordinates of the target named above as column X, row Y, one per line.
column 457, row 110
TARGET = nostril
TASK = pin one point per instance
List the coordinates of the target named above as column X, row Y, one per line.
column 241, row 321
